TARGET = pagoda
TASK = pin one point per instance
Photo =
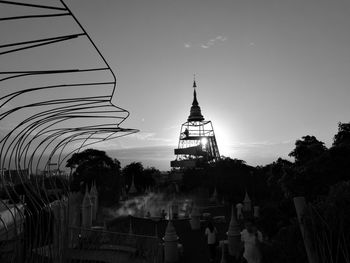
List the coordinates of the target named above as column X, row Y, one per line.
column 197, row 143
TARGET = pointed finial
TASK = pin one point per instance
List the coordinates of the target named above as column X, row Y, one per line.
column 246, row 197
column 195, row 113
column 194, row 81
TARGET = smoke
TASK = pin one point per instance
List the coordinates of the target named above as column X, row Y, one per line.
column 153, row 205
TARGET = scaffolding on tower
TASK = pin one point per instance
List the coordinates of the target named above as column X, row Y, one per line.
column 197, row 143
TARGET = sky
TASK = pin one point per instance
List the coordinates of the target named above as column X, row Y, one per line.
column 268, row 72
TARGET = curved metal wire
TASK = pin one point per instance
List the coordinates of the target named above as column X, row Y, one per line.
column 47, row 113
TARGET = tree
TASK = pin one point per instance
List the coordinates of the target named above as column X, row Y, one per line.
column 342, row 138
column 134, row 170
column 316, row 168
column 275, row 173
column 329, row 222
column 276, row 170
column 149, row 175
column 143, row 177
column 232, row 177
column 307, row 149
column 95, row 166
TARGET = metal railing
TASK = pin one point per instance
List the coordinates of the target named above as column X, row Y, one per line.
column 146, row 248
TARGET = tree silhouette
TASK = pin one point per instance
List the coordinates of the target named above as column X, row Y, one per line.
column 95, row 166
column 143, row 177
column 275, row 174
column 342, row 138
column 316, row 168
column 133, row 170
column 307, row 148
column 149, row 175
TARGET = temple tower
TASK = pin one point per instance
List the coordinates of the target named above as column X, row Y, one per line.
column 86, row 211
column 197, row 143
column 132, row 188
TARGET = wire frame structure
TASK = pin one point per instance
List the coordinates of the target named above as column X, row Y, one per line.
column 56, row 98
column 197, row 143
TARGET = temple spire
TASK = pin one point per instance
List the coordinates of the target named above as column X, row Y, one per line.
column 195, row 101
column 197, row 142
column 194, row 82
column 195, row 113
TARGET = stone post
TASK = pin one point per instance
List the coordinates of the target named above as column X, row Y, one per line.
column 223, row 251
column 86, row 212
column 130, row 226
column 171, row 253
column 59, row 242
column 256, row 213
column 174, row 210
column 214, row 197
column 300, row 206
column 195, row 218
column 55, row 208
column 247, row 203
column 75, row 201
column 94, row 201
column 187, row 212
column 234, row 236
column 132, row 188
column 239, row 207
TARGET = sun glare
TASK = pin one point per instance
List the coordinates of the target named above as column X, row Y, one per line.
column 224, row 139
column 204, row 141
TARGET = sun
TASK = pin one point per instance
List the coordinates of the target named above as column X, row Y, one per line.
column 225, row 140
column 204, row 141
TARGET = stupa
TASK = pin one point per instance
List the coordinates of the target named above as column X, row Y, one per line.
column 197, row 143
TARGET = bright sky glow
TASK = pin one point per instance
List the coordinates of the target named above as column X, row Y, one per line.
column 204, row 141
column 268, row 72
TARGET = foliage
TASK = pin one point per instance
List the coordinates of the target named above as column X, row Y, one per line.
column 329, row 222
column 132, row 171
column 287, row 246
column 277, row 211
column 231, row 178
column 307, row 149
column 143, row 178
column 234, row 177
column 95, row 166
column 275, row 172
column 316, row 168
column 342, row 138
column 193, row 179
column 149, row 175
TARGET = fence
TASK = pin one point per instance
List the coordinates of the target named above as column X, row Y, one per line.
column 138, row 247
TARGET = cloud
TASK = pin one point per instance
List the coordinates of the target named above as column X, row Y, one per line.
column 135, row 140
column 148, row 136
column 171, row 127
column 142, row 135
column 261, row 143
column 207, row 44
column 213, row 41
